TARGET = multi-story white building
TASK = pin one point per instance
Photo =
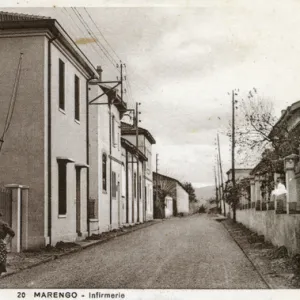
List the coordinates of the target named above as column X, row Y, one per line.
column 145, row 142
column 131, row 194
column 46, row 145
column 105, row 183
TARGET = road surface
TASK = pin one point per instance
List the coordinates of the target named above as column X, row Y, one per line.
column 193, row 252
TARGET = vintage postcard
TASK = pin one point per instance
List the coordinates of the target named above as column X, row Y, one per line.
column 149, row 149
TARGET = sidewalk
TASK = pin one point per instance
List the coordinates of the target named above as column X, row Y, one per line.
column 29, row 259
column 273, row 264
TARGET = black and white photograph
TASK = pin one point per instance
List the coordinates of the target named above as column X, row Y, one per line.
column 150, row 149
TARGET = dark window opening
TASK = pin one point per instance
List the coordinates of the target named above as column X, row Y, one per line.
column 113, row 131
column 77, row 98
column 140, row 187
column 146, row 198
column 61, row 85
column 62, row 188
column 104, row 173
column 114, row 185
column 134, row 185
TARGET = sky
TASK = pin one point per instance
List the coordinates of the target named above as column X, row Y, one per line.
column 182, row 59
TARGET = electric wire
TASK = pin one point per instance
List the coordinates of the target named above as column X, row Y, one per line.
column 82, row 31
column 91, row 33
column 12, row 102
column 102, row 35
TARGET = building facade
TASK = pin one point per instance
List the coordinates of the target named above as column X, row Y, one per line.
column 145, row 142
column 169, row 187
column 45, row 147
column 106, row 166
column 133, row 208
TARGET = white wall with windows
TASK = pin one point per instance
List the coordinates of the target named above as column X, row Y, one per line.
column 69, row 148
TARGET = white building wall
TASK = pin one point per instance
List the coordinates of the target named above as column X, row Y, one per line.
column 109, row 209
column 169, row 207
column 68, row 140
column 182, row 198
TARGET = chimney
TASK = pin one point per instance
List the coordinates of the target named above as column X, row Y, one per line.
column 99, row 71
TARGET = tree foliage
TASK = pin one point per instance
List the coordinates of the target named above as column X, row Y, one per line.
column 191, row 191
column 258, row 131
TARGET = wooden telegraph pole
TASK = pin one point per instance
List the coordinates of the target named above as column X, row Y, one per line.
column 221, row 171
column 216, row 184
column 233, row 156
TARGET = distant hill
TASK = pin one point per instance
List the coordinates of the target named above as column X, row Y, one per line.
column 205, row 193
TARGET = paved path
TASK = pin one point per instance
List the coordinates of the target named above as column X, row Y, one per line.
column 191, row 252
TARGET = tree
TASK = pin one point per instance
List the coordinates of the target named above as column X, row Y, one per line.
column 258, row 131
column 191, row 191
column 233, row 195
column 165, row 188
column 263, row 139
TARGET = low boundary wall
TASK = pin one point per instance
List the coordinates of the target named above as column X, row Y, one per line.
column 279, row 229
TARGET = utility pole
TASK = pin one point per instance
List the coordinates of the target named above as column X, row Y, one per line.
column 221, row 171
column 121, row 79
column 219, row 182
column 216, row 184
column 232, row 157
column 137, row 158
column 156, row 179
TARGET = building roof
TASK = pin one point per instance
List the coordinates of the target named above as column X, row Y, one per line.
column 239, row 169
column 133, row 149
column 117, row 101
column 128, row 129
column 285, row 115
column 169, row 178
column 9, row 16
column 23, row 22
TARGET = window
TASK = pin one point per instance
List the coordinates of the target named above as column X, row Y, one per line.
column 78, row 199
column 114, row 185
column 77, row 98
column 118, row 141
column 62, row 188
column 113, row 131
column 61, row 84
column 134, row 185
column 149, row 159
column 146, row 198
column 140, row 187
column 104, row 173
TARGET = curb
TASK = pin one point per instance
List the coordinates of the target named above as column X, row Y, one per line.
column 80, row 248
column 269, row 286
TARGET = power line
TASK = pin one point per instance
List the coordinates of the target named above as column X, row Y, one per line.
column 91, row 33
column 82, row 31
column 129, row 94
column 102, row 35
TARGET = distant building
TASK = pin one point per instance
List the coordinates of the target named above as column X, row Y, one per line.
column 130, row 197
column 168, row 186
column 145, row 142
column 239, row 174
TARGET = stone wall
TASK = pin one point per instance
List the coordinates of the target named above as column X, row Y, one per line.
column 279, row 229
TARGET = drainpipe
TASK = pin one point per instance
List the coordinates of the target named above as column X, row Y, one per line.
column 87, row 156
column 132, row 189
column 49, row 142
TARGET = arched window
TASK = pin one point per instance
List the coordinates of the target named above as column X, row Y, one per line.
column 104, row 172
